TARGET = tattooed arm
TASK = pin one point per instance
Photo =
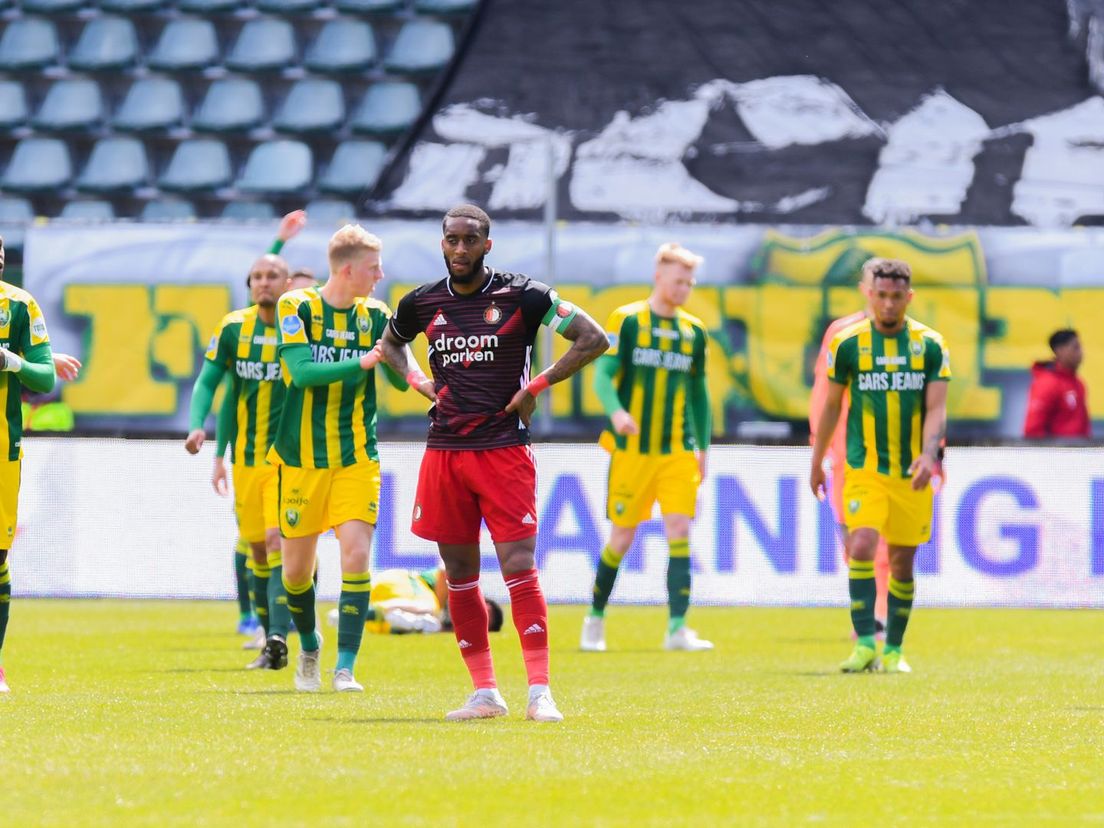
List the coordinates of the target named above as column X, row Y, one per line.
column 588, row 342
column 935, row 428
column 398, row 356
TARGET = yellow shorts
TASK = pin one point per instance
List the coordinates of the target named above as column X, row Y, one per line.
column 888, row 505
column 256, row 500
column 9, row 501
column 637, row 481
column 314, row 500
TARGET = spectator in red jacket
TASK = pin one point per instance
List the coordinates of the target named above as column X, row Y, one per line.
column 1056, row 405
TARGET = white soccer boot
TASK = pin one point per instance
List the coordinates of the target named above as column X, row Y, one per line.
column 343, row 682
column 686, row 639
column 257, row 642
column 593, row 639
column 542, row 707
column 308, row 669
column 482, row 704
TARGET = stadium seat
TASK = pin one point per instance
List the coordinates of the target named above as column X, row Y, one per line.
column 105, row 43
column 151, row 103
column 369, row 6
column 444, row 6
column 265, row 44
column 387, row 108
column 186, row 43
column 330, row 212
column 422, row 46
column 15, row 215
column 204, row 7
column 53, row 6
column 312, row 105
column 198, row 164
column 248, row 211
column 288, row 6
column 230, row 105
column 343, row 45
column 88, row 211
column 168, row 209
column 38, row 164
column 71, row 104
column 13, row 105
column 354, row 168
column 116, row 164
column 133, row 6
column 277, row 167
column 28, row 43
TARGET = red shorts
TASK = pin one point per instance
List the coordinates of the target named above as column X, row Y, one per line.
column 459, row 489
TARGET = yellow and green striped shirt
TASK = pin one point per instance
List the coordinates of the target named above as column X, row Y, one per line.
column 246, row 347
column 334, row 425
column 22, row 327
column 657, row 357
column 886, row 377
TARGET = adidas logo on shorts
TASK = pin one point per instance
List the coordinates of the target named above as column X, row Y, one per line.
column 528, row 519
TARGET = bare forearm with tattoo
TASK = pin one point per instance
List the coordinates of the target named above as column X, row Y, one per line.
column 397, row 354
column 934, row 432
column 588, row 342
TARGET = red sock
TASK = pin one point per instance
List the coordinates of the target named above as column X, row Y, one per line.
column 469, row 622
column 531, row 620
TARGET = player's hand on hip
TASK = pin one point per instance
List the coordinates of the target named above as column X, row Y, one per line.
column 67, row 367
column 524, row 404
column 623, row 423
column 703, row 464
column 219, row 478
column 922, row 469
column 373, row 358
column 818, row 481
column 194, row 441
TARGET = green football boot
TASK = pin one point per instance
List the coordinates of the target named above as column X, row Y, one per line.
column 862, row 659
column 894, row 662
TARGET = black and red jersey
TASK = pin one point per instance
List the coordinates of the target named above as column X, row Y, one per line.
column 480, row 348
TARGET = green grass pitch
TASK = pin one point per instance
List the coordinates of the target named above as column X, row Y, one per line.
column 138, row 713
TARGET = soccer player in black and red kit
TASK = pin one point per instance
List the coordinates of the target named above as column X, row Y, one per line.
column 481, row 324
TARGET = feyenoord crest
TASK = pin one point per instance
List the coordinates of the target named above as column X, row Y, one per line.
column 492, row 314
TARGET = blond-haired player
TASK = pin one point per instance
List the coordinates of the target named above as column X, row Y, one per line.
column 325, row 446
column 652, row 384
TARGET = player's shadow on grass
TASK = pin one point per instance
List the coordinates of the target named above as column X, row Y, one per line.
column 384, row 720
column 199, row 670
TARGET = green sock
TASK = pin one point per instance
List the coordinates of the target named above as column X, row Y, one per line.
column 242, row 578
column 899, row 606
column 300, row 602
column 5, row 598
column 678, row 583
column 863, row 590
column 352, row 609
column 259, row 593
column 603, row 581
column 279, row 619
